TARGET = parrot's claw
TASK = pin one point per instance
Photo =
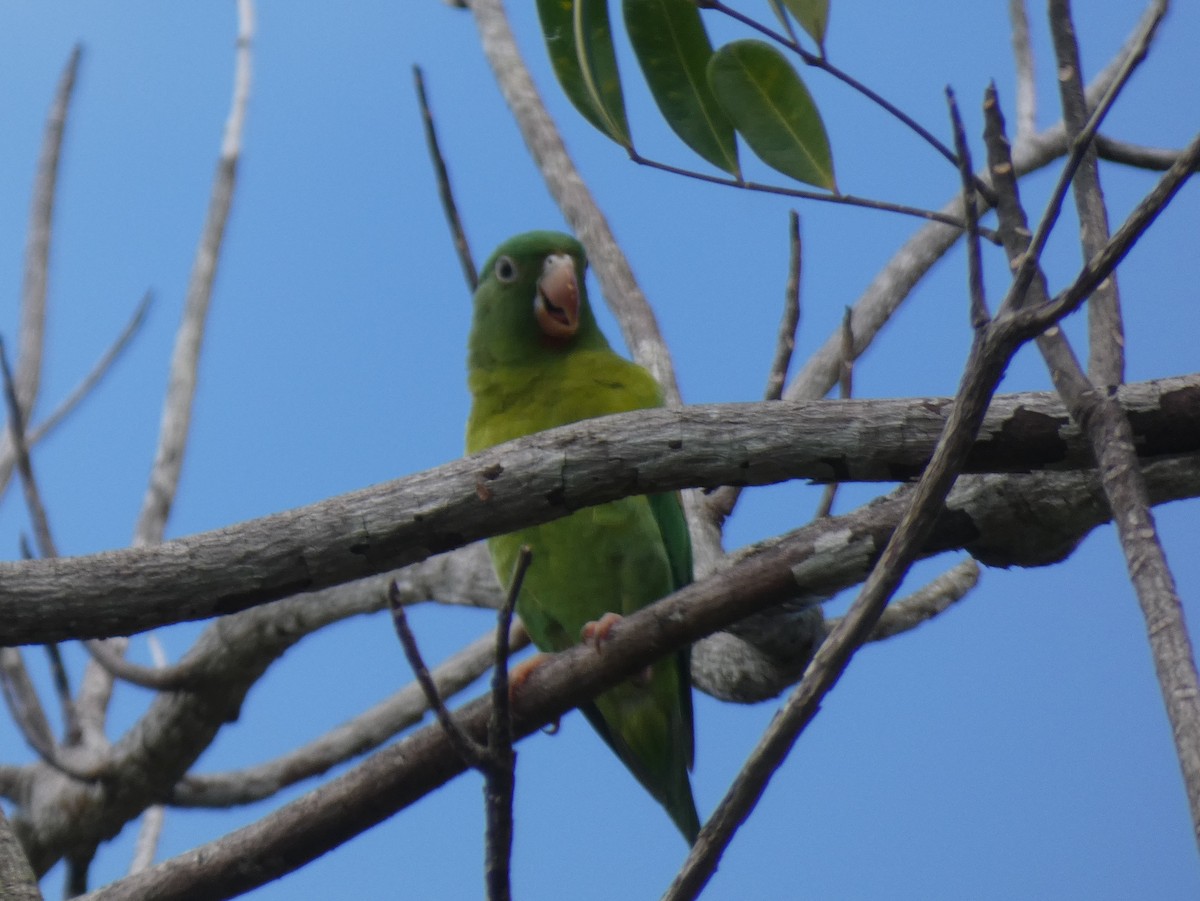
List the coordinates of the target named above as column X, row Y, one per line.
column 596, row 632
column 519, row 673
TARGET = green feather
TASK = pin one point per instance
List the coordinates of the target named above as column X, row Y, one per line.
column 616, row 557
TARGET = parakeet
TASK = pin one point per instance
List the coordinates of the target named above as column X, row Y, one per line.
column 537, row 360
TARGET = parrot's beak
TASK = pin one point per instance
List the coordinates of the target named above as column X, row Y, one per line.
column 556, row 306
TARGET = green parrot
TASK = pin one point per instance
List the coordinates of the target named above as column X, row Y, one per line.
column 537, row 360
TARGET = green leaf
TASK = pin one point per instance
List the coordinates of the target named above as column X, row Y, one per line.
column 579, row 42
column 784, row 22
column 813, row 16
column 598, row 60
column 772, row 110
column 673, row 50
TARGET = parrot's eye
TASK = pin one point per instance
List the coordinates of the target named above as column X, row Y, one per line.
column 505, row 269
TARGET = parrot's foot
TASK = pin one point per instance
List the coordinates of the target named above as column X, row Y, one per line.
column 519, row 673
column 517, row 676
column 597, row 632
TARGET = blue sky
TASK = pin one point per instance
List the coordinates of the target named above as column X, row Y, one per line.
column 1015, row 747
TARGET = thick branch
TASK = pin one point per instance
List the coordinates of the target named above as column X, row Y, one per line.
column 803, row 562
column 532, row 480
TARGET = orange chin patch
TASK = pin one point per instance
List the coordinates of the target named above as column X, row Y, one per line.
column 556, row 305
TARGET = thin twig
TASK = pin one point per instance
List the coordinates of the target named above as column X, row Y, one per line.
column 819, row 196
column 187, row 674
column 185, row 360
column 97, row 373
column 500, row 771
column 99, row 370
column 845, row 391
column 31, row 336
column 149, row 833
column 363, row 732
column 155, row 816
column 1080, row 142
column 175, row 423
column 16, row 431
column 894, row 283
column 1018, row 15
column 979, row 311
column 445, row 191
column 1122, row 241
column 722, row 501
column 42, row 535
column 906, row 613
column 471, row 751
column 1106, row 332
column 1136, row 155
column 23, row 703
column 37, row 247
column 785, row 341
column 26, row 710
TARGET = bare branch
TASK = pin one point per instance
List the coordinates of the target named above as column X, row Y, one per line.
column 185, row 361
column 785, row 342
column 1110, row 433
column 16, row 433
column 399, row 774
column 1135, row 155
column 81, row 391
column 1106, row 333
column 96, row 375
column 41, row 530
column 17, row 882
column 26, row 709
column 356, row 736
column 979, row 311
column 445, row 191
column 845, row 391
column 893, row 283
column 169, row 678
column 1018, row 15
column 472, row 753
column 530, row 481
column 1080, row 143
column 37, row 248
column 501, row 760
column 991, row 350
column 814, row 559
column 147, row 839
column 925, row 603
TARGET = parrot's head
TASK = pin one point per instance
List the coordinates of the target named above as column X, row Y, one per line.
column 531, row 302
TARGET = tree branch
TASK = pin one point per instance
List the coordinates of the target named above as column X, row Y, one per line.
column 534, row 480
column 892, row 285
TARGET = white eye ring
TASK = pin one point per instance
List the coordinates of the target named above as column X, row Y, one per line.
column 505, row 269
